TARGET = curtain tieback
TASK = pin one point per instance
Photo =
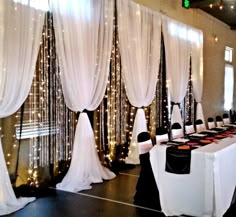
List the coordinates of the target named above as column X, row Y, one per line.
column 175, row 103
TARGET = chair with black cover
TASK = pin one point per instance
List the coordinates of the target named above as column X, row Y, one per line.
column 219, row 121
column 161, row 135
column 226, row 119
column 176, row 131
column 232, row 116
column 200, row 126
column 189, row 128
column 147, row 193
column 211, row 123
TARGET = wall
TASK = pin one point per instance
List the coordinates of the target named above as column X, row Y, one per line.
column 213, row 87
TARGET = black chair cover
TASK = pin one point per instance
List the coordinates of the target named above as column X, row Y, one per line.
column 210, row 120
column 188, row 123
column 147, row 193
column 218, row 118
column 198, row 122
column 143, row 136
column 176, row 126
column 225, row 115
column 161, row 131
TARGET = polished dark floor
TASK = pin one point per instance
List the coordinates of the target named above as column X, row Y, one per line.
column 112, row 198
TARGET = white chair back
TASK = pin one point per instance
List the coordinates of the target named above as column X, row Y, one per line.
column 145, row 146
column 161, row 138
column 211, row 125
column 189, row 129
column 219, row 123
column 226, row 121
column 177, row 133
column 200, row 128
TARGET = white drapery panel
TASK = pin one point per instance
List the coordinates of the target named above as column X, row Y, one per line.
column 140, row 33
column 20, row 30
column 177, row 48
column 197, row 69
column 84, row 38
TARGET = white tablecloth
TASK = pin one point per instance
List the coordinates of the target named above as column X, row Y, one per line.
column 208, row 190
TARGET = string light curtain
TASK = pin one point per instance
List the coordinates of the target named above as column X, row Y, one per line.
column 84, row 38
column 197, row 69
column 187, row 105
column 22, row 28
column 47, row 125
column 161, row 99
column 157, row 113
column 113, row 120
column 140, row 34
column 177, row 62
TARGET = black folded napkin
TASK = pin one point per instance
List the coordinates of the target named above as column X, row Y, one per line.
column 208, row 133
column 218, row 129
column 178, row 160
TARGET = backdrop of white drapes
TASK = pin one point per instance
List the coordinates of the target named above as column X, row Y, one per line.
column 197, row 69
column 140, row 34
column 84, row 38
column 177, row 49
column 20, row 34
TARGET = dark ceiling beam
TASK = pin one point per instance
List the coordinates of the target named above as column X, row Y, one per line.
column 202, row 3
column 233, row 27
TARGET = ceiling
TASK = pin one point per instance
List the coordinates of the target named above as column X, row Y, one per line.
column 227, row 14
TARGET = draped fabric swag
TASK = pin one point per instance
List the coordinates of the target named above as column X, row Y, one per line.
column 140, row 35
column 83, row 31
column 176, row 38
column 20, row 30
column 84, row 38
column 197, row 69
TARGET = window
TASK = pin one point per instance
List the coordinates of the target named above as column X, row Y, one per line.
column 185, row 33
column 229, row 79
column 228, row 54
column 37, row 4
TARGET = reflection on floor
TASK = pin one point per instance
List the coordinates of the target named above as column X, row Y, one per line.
column 112, row 198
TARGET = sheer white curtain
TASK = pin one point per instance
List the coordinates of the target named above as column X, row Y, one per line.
column 84, row 39
column 20, row 34
column 197, row 69
column 177, row 47
column 139, row 32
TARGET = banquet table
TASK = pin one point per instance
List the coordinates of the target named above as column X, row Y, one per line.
column 207, row 191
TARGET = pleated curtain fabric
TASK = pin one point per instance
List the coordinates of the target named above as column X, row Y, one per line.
column 139, row 31
column 177, row 47
column 83, row 30
column 20, row 30
column 197, row 70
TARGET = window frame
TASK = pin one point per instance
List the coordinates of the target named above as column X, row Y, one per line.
column 230, row 81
